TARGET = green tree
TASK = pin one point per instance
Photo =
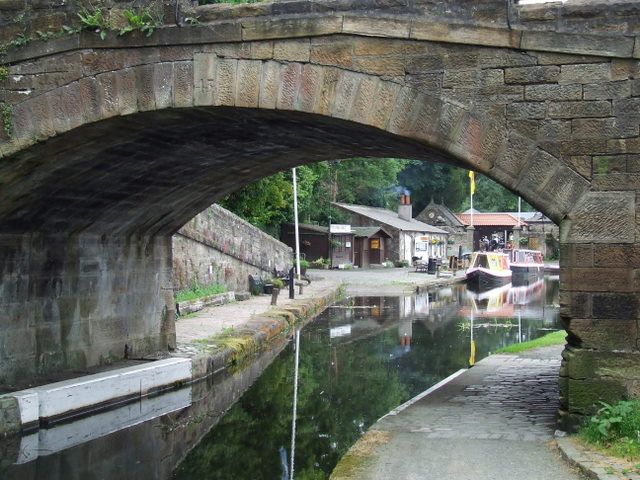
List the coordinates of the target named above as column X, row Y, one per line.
column 264, row 203
column 493, row 197
column 440, row 182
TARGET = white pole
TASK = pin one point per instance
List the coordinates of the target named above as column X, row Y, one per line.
column 519, row 208
column 295, row 403
column 295, row 217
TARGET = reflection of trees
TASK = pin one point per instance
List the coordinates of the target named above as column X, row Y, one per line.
column 345, row 384
column 334, row 407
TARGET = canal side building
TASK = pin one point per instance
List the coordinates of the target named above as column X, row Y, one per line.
column 525, row 229
column 410, row 238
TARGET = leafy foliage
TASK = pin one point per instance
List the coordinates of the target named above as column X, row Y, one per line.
column 199, row 291
column 616, row 429
column 143, row 20
column 263, row 203
column 376, row 182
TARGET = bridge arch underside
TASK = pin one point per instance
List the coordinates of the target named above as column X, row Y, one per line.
column 105, row 166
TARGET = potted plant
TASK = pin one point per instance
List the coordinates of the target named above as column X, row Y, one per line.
column 275, row 291
column 304, row 264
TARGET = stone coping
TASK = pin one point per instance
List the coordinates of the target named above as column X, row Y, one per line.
column 27, row 410
column 595, row 465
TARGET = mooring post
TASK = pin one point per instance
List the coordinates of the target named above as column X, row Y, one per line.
column 292, row 283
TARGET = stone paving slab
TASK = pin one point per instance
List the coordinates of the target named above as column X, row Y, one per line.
column 494, row 421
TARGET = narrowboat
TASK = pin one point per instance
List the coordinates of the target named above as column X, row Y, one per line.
column 526, row 266
column 488, row 270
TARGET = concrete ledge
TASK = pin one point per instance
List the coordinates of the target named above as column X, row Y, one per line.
column 595, row 465
column 190, row 306
column 61, row 400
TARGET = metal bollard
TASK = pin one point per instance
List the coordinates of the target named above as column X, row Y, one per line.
column 292, row 283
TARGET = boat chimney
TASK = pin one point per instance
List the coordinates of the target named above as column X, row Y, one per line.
column 405, row 209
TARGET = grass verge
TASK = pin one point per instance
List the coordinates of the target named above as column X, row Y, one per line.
column 553, row 338
column 615, row 431
column 199, row 291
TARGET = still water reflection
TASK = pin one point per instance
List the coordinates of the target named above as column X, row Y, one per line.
column 360, row 359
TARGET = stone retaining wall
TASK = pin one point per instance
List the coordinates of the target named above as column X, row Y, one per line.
column 218, row 247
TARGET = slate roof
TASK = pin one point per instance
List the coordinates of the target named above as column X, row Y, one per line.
column 388, row 217
column 489, row 219
column 369, row 231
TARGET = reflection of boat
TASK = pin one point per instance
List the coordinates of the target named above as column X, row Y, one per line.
column 489, row 303
column 525, row 294
column 526, row 266
column 488, row 270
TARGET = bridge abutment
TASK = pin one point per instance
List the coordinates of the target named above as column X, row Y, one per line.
column 71, row 302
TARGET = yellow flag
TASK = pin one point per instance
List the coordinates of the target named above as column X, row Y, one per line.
column 472, row 357
column 472, row 176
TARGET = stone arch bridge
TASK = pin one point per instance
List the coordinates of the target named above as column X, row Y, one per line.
column 109, row 146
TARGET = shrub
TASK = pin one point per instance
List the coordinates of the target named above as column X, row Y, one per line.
column 615, row 428
column 199, row 291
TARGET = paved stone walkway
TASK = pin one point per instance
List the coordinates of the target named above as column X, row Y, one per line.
column 494, row 421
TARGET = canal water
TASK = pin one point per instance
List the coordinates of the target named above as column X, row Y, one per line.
column 295, row 418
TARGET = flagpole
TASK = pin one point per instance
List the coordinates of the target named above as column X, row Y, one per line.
column 472, row 190
column 295, row 217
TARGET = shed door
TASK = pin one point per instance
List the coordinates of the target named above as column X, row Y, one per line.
column 341, row 253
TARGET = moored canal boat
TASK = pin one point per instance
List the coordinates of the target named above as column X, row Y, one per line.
column 488, row 270
column 526, row 266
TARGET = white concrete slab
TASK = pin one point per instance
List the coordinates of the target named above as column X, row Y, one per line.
column 68, row 435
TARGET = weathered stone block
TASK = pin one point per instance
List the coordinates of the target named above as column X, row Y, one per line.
column 602, row 217
column 271, row 28
column 292, row 50
column 534, row 74
column 385, row 66
column 616, row 306
column 584, row 147
column 183, row 88
column 607, row 90
column 609, row 163
column 338, row 54
column 579, row 109
column 261, row 50
column 585, row 395
column 552, row 92
column 581, row 164
column 269, row 85
column 600, row 128
column 248, row 90
column 623, row 145
column 464, row 33
column 374, row 26
column 346, row 92
column 380, row 113
column 366, row 46
column 604, row 335
column 577, row 255
column 602, row 279
column 527, row 110
column 290, row 80
column 616, row 181
column 585, row 73
column 633, row 163
column 309, row 88
column 225, row 83
column 365, row 97
column 604, row 45
column 575, row 305
column 628, row 106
